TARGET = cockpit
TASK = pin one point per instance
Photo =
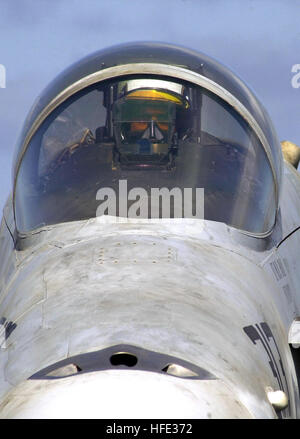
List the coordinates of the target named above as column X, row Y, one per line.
column 154, row 132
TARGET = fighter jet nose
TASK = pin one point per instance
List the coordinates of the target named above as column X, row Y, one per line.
column 122, row 394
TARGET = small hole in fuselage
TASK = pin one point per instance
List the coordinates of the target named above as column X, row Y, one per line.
column 123, row 359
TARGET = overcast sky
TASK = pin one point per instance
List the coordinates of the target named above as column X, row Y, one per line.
column 258, row 39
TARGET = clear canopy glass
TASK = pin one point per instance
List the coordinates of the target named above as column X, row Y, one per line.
column 153, row 133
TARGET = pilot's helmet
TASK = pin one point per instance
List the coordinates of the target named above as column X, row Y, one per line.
column 146, row 116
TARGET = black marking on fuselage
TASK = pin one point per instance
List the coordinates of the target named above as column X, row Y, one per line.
column 262, row 332
column 9, row 327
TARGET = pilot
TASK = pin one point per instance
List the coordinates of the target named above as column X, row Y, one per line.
column 148, row 121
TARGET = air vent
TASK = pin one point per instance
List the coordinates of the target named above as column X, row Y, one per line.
column 179, row 371
column 64, row 371
column 123, row 359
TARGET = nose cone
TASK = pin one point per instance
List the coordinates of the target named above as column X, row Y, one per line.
column 121, row 394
